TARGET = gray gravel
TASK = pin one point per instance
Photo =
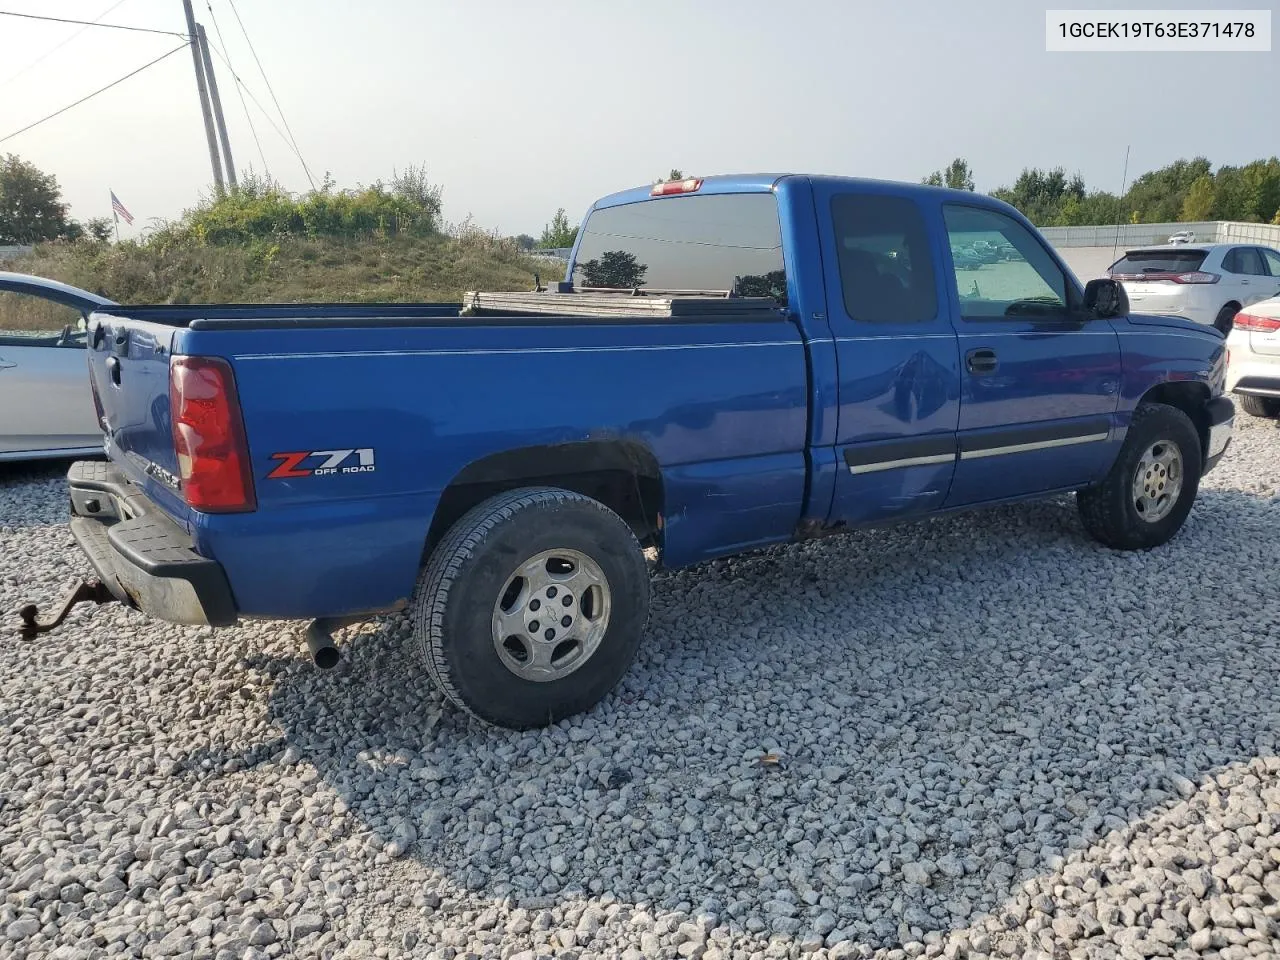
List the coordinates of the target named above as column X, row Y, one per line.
column 979, row 736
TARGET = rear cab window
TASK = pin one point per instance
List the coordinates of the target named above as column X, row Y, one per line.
column 709, row 242
column 1143, row 264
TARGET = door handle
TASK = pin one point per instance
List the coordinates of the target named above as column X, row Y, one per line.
column 982, row 360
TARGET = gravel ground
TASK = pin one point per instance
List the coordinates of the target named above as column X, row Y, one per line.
column 992, row 737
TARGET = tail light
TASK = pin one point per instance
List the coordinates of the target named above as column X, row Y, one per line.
column 1255, row 323
column 208, row 435
column 668, row 187
column 1195, row 276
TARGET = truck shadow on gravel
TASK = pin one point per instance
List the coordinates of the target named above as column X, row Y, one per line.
column 954, row 706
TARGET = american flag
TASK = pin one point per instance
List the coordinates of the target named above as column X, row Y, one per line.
column 118, row 208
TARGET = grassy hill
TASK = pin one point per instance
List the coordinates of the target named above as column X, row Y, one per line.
column 259, row 244
column 399, row 268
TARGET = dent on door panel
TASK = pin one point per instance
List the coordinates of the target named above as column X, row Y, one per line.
column 898, row 427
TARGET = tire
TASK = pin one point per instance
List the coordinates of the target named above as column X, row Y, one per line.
column 1226, row 318
column 1259, row 406
column 1113, row 513
column 474, row 581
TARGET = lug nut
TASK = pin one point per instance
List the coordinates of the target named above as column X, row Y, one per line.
column 535, row 603
column 550, row 634
column 565, row 621
column 534, row 627
column 551, row 592
column 568, row 600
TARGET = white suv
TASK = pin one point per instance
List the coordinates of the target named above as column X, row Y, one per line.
column 1253, row 358
column 1207, row 283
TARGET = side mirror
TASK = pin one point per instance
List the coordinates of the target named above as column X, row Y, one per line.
column 1105, row 298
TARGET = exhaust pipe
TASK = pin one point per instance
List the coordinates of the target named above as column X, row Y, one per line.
column 324, row 652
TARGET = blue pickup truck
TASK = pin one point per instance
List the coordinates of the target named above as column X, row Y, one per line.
column 732, row 362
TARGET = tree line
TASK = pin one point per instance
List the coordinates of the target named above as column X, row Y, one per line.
column 32, row 210
column 1183, row 191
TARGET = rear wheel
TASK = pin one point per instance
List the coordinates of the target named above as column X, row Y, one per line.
column 1259, row 406
column 1226, row 318
column 1148, row 493
column 532, row 607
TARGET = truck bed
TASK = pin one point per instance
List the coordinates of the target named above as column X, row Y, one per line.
column 479, row 308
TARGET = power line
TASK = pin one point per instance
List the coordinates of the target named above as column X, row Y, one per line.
column 239, row 91
column 266, row 114
column 305, row 169
column 94, row 94
column 91, row 23
column 58, row 46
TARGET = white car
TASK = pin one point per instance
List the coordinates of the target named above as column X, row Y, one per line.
column 1208, row 283
column 46, row 403
column 1253, row 358
column 1183, row 236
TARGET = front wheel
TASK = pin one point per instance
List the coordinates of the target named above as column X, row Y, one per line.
column 1148, row 493
column 532, row 607
column 1259, row 406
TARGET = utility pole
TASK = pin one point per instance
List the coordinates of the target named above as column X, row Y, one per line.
column 217, row 107
column 204, row 98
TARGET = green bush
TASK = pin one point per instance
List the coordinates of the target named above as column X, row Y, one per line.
column 262, row 210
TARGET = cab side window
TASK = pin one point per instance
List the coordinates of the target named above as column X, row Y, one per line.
column 27, row 320
column 886, row 269
column 1001, row 270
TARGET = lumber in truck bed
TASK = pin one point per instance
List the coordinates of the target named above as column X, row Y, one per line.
column 665, row 305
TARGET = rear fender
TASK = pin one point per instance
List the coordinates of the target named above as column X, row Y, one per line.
column 621, row 473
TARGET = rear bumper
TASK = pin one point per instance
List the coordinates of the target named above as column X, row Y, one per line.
column 145, row 559
column 1255, row 386
column 1249, row 372
column 1222, row 416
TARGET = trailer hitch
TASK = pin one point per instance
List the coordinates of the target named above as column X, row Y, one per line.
column 83, row 592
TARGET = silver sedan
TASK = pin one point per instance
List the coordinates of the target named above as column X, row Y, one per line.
column 46, row 405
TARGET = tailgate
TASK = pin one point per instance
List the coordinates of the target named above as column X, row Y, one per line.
column 1265, row 342
column 129, row 367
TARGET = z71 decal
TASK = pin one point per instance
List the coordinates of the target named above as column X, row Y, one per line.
column 335, row 462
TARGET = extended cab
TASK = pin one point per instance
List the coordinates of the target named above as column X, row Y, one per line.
column 734, row 362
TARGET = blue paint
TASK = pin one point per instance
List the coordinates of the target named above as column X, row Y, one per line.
column 759, row 428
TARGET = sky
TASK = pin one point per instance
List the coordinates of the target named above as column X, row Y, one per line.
column 519, row 107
